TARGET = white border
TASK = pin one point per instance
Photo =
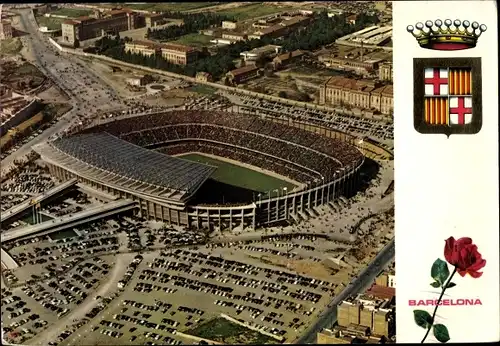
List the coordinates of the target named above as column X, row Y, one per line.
column 445, row 187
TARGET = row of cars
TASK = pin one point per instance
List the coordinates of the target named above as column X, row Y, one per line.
column 33, row 182
column 342, row 122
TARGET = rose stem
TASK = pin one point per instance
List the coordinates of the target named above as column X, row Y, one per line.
column 437, row 304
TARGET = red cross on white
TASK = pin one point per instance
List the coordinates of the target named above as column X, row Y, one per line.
column 460, row 110
column 436, row 81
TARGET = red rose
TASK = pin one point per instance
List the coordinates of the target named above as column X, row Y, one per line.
column 464, row 256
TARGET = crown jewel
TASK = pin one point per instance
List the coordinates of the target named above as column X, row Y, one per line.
column 447, row 35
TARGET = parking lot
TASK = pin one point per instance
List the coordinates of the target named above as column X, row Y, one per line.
column 22, row 142
column 33, row 180
column 36, row 306
column 276, row 284
column 335, row 120
column 174, row 290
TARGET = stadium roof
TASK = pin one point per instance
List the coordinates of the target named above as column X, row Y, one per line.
column 110, row 159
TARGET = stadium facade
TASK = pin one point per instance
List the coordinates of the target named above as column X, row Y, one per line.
column 116, row 157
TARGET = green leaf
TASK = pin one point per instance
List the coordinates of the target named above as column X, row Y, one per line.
column 435, row 284
column 440, row 271
column 422, row 318
column 441, row 333
column 451, row 284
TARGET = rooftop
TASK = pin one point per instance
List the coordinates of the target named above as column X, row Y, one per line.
column 295, row 20
column 385, row 90
column 123, row 163
column 71, row 22
column 288, row 55
column 352, row 84
column 154, row 15
column 382, row 292
column 269, row 47
column 118, row 12
column 144, row 43
column 177, row 47
column 244, row 69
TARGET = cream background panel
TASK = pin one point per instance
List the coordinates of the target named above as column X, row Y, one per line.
column 436, row 195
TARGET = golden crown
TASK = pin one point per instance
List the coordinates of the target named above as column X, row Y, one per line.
column 447, row 35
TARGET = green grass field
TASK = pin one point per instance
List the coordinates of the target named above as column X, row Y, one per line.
column 240, row 176
column 202, row 89
column 194, row 40
column 72, row 12
column 172, row 6
column 221, row 330
column 50, row 23
column 252, row 11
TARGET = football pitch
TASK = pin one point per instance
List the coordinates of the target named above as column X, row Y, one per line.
column 242, row 177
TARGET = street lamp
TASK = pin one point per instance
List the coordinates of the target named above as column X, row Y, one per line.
column 285, row 189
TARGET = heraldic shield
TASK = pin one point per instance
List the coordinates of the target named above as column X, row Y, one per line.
column 447, row 95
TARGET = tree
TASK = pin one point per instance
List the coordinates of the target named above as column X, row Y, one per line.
column 192, row 23
column 282, row 94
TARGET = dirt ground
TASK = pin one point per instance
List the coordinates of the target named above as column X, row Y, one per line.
column 274, row 85
column 300, row 266
column 21, row 76
column 52, row 94
column 176, row 97
column 116, row 79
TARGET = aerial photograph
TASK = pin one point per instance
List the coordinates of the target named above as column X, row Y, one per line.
column 197, row 173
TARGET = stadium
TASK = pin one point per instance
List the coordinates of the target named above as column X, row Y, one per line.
column 188, row 167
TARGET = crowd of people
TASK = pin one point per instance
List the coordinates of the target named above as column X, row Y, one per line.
column 293, row 152
column 241, row 155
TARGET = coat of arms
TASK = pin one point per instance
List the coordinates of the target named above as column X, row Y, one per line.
column 447, row 90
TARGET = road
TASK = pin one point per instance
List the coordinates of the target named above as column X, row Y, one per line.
column 85, row 89
column 216, row 7
column 328, row 317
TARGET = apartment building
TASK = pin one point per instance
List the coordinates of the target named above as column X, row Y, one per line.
column 153, row 19
column 385, row 72
column 382, row 99
column 370, row 314
column 363, row 94
column 142, row 47
column 85, row 28
column 179, row 54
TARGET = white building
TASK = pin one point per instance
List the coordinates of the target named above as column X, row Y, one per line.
column 265, row 51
